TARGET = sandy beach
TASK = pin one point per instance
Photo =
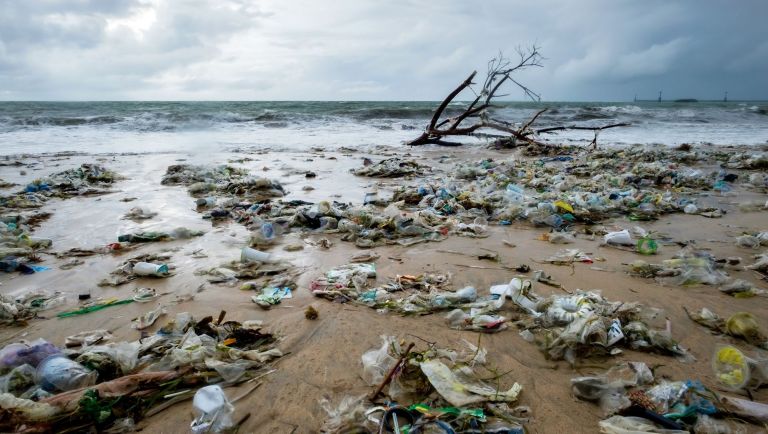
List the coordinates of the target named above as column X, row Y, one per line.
column 322, row 357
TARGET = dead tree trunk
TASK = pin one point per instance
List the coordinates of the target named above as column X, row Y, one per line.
column 500, row 71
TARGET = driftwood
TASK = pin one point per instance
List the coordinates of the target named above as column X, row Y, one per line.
column 500, row 71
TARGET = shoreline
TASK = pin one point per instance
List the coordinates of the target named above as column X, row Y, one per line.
column 323, row 357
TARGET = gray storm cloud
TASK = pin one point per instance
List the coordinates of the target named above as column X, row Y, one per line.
column 366, row 50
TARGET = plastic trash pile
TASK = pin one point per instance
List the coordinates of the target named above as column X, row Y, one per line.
column 411, row 295
column 225, row 180
column 91, row 382
column 86, row 180
column 395, row 167
column 585, row 324
column 431, row 390
column 632, row 400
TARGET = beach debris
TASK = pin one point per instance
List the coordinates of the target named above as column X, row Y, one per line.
column 138, row 214
column 97, row 384
column 271, row 296
column 180, row 233
column 458, row 397
column 142, row 266
column 149, row 318
column 740, row 325
column 88, row 338
column 212, row 409
column 395, row 167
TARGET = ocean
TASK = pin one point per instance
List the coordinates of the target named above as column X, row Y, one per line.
column 149, row 126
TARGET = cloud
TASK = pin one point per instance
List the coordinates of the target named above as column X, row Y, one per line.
column 362, row 49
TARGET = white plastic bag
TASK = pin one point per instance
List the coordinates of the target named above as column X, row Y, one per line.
column 378, row 362
column 213, row 411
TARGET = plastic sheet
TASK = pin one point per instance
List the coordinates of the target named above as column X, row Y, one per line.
column 460, row 388
column 378, row 362
column 632, row 425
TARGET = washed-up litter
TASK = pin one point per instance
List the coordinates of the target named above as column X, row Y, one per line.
column 213, row 410
column 687, row 268
column 95, row 306
column 434, row 388
column 99, row 385
column 740, row 325
column 19, row 310
column 227, row 180
column 569, row 257
column 736, row 371
column 585, row 324
column 155, row 236
column 88, row 338
column 391, row 168
column 255, row 271
column 633, row 401
column 86, row 180
column 138, row 214
column 740, row 288
column 149, row 318
column 760, row 265
column 271, row 296
column 147, row 265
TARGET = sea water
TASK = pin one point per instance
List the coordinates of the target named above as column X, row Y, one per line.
column 141, row 126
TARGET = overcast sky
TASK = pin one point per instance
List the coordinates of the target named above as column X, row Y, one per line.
column 376, row 50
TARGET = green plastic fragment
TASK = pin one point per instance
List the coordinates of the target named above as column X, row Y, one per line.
column 94, row 308
column 647, row 246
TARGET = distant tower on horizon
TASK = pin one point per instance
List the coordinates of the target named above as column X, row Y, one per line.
column 635, row 97
column 725, row 98
column 659, row 96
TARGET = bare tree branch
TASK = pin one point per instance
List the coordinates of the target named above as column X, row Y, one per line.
column 499, row 72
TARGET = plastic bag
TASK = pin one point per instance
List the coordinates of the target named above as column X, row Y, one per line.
column 87, row 338
column 709, row 425
column 213, row 411
column 464, row 295
column 748, row 241
column 17, row 354
column 58, row 373
column 632, row 425
column 475, row 320
column 19, row 380
column 744, row 325
column 378, row 362
column 460, row 387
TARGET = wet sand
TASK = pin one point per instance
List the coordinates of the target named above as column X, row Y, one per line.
column 323, row 356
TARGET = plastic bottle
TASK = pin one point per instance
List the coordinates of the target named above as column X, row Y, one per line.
column 149, row 269
column 553, row 221
column 515, row 193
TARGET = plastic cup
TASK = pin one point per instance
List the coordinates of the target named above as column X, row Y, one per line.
column 252, row 255
column 731, row 367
